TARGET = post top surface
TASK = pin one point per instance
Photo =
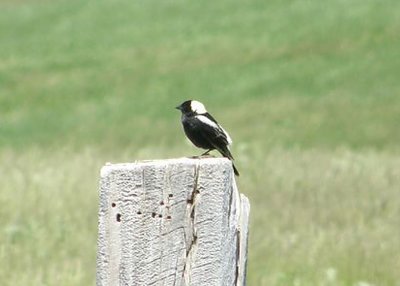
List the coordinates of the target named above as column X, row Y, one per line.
column 109, row 167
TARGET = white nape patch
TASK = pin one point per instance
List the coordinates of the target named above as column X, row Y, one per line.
column 211, row 123
column 198, row 107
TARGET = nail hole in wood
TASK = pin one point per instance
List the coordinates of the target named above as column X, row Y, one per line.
column 139, row 212
column 118, row 217
column 113, row 205
column 168, row 217
column 160, row 215
column 161, row 203
column 170, row 195
column 153, row 214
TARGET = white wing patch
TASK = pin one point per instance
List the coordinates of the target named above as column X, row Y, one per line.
column 214, row 125
column 198, row 107
column 207, row 121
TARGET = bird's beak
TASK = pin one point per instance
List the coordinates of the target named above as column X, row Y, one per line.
column 178, row 107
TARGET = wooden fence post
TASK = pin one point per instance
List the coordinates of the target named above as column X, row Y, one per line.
column 172, row 222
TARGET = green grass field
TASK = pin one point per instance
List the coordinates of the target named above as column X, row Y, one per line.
column 309, row 91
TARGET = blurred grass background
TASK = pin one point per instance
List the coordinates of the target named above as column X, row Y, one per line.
column 309, row 91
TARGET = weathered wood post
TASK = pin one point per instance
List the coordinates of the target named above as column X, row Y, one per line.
column 172, row 222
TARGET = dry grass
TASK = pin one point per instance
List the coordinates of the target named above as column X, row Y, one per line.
column 318, row 217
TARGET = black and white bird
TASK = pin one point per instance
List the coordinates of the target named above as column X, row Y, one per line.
column 204, row 131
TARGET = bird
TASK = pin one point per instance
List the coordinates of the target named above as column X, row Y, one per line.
column 204, row 131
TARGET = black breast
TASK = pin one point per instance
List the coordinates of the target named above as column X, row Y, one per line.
column 194, row 131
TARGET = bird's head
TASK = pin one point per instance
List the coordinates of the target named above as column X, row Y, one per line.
column 192, row 107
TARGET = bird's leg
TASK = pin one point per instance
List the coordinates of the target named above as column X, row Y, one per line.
column 206, row 153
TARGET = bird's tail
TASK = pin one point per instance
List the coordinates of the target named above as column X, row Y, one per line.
column 226, row 153
column 235, row 170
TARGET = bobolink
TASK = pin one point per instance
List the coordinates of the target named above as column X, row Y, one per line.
column 204, row 131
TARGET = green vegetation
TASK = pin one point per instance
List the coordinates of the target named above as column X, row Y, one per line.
column 308, row 90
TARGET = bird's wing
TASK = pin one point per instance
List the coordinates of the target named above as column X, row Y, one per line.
column 215, row 124
column 214, row 132
column 208, row 115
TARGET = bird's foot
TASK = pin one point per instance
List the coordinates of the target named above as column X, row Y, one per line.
column 194, row 157
column 206, row 156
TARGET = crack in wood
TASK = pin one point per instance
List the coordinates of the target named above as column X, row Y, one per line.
column 230, row 205
column 193, row 240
